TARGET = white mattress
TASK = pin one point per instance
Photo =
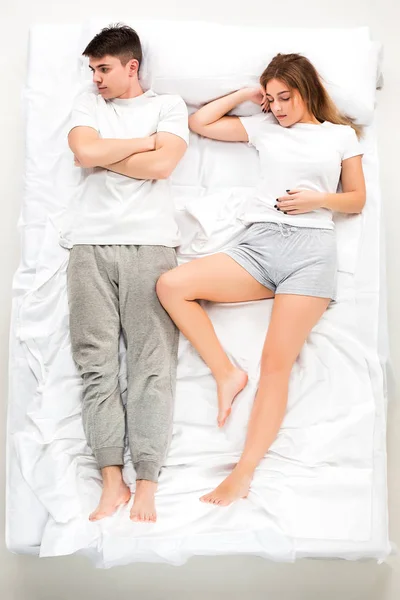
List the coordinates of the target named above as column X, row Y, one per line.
column 319, row 492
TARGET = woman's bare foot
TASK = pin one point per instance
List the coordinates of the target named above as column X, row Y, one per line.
column 228, row 388
column 235, row 486
column 115, row 493
column 144, row 509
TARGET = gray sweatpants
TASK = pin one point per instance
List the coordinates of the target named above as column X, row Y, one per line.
column 113, row 288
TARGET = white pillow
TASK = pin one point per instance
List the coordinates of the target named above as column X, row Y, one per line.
column 202, row 61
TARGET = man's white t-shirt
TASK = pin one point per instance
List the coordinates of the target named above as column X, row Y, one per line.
column 110, row 208
column 304, row 156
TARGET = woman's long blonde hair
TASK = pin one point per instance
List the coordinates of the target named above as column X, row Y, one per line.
column 298, row 73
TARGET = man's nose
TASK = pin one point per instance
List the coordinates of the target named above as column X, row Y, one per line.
column 96, row 77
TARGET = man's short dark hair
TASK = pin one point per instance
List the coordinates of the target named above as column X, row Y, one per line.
column 116, row 40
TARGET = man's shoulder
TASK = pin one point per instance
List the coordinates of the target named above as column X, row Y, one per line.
column 86, row 97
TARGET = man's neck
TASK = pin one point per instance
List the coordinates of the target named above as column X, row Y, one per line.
column 134, row 90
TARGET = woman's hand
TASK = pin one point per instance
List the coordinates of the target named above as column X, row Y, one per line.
column 257, row 95
column 298, row 202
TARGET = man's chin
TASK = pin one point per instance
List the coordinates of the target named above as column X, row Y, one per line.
column 105, row 93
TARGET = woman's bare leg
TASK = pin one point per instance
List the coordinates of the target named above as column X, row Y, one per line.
column 220, row 279
column 293, row 317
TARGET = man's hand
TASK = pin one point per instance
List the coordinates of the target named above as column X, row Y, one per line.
column 152, row 139
column 169, row 149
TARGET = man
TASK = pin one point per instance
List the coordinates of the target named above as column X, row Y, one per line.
column 122, row 239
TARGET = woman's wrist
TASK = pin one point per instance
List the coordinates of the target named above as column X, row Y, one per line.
column 244, row 94
column 325, row 200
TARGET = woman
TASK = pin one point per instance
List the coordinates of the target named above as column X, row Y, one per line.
column 288, row 251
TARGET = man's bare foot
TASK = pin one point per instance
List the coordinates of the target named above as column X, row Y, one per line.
column 235, row 486
column 144, row 509
column 115, row 493
column 228, row 389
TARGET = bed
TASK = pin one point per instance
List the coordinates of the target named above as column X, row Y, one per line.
column 321, row 489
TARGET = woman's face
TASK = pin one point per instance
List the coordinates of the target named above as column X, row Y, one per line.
column 286, row 104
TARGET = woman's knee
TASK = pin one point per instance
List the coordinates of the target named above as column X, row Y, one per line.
column 168, row 285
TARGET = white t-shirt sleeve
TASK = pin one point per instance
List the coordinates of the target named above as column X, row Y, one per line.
column 84, row 112
column 174, row 118
column 351, row 145
column 254, row 126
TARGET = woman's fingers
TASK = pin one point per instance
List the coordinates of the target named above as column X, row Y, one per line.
column 265, row 104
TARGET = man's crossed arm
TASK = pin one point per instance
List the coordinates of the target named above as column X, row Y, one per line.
column 153, row 157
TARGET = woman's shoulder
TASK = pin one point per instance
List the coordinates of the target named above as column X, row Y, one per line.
column 338, row 128
column 259, row 124
column 340, row 132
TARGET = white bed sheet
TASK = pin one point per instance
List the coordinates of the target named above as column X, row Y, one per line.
column 321, row 490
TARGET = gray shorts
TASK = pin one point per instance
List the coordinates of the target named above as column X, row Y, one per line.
column 289, row 260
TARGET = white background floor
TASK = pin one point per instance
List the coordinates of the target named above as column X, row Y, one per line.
column 23, row 577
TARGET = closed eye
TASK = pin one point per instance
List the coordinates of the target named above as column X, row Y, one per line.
column 284, row 99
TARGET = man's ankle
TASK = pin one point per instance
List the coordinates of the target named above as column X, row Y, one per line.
column 111, row 474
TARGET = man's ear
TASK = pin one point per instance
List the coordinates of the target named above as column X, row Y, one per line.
column 133, row 67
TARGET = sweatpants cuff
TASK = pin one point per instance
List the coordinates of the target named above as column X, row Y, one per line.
column 109, row 457
column 148, row 470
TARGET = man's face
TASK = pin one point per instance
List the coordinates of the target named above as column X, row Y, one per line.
column 111, row 77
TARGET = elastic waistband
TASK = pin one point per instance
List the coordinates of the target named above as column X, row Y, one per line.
column 286, row 229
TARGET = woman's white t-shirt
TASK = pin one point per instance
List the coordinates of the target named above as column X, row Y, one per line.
column 110, row 208
column 304, row 156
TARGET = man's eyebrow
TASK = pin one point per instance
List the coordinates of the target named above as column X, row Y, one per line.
column 99, row 66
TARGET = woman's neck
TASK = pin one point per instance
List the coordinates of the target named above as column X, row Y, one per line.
column 309, row 118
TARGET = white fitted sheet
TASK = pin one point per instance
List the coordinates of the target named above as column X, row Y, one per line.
column 320, row 491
